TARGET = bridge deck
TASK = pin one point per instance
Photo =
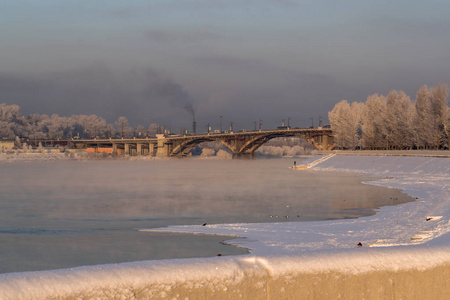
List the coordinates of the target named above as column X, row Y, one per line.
column 241, row 144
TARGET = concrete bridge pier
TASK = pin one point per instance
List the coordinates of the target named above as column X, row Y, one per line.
column 138, row 149
column 163, row 146
column 152, row 149
column 126, row 150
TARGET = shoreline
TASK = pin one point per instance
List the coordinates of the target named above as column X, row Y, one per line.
column 399, row 225
column 417, row 153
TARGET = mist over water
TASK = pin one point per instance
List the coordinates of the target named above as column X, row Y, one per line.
column 71, row 213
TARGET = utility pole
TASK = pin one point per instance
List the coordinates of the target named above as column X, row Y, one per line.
column 260, row 124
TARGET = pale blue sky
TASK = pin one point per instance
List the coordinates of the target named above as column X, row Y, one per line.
column 245, row 59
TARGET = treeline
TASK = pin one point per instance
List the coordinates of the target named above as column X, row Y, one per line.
column 35, row 126
column 394, row 122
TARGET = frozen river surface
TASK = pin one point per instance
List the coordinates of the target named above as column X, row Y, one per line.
column 59, row 214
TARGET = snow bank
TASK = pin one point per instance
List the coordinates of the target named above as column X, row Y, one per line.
column 15, row 157
column 293, row 260
column 358, row 273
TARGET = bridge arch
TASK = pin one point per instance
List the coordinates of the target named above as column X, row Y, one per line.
column 249, row 148
column 183, row 148
column 244, row 145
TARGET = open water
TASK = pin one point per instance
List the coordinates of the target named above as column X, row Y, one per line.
column 61, row 214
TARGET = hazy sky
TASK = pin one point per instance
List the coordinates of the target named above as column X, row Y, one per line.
column 244, row 60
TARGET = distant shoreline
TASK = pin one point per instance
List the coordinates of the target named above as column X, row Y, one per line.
column 83, row 155
column 424, row 153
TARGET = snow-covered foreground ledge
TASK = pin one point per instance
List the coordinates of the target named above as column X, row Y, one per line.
column 369, row 273
column 293, row 260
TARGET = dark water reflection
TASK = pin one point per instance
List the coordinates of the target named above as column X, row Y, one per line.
column 67, row 213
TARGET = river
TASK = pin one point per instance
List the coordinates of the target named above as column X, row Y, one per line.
column 61, row 214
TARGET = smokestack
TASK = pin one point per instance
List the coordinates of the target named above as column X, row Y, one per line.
column 194, row 126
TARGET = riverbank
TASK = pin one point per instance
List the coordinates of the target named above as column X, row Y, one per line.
column 405, row 251
column 421, row 153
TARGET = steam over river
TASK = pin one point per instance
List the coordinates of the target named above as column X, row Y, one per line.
column 58, row 214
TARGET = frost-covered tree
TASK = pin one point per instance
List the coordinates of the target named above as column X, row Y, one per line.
column 393, row 122
column 340, row 124
column 55, row 125
column 439, row 96
column 356, row 111
column 154, row 129
column 110, row 131
column 9, row 113
column 346, row 124
column 122, row 124
column 411, row 138
column 95, row 127
column 223, row 154
column 208, row 152
column 397, row 119
column 36, row 127
column 140, row 131
column 372, row 122
column 6, row 131
column 424, row 119
column 11, row 122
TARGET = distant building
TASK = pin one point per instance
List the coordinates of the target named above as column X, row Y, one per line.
column 6, row 145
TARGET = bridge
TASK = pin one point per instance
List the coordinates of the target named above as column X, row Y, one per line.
column 241, row 144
